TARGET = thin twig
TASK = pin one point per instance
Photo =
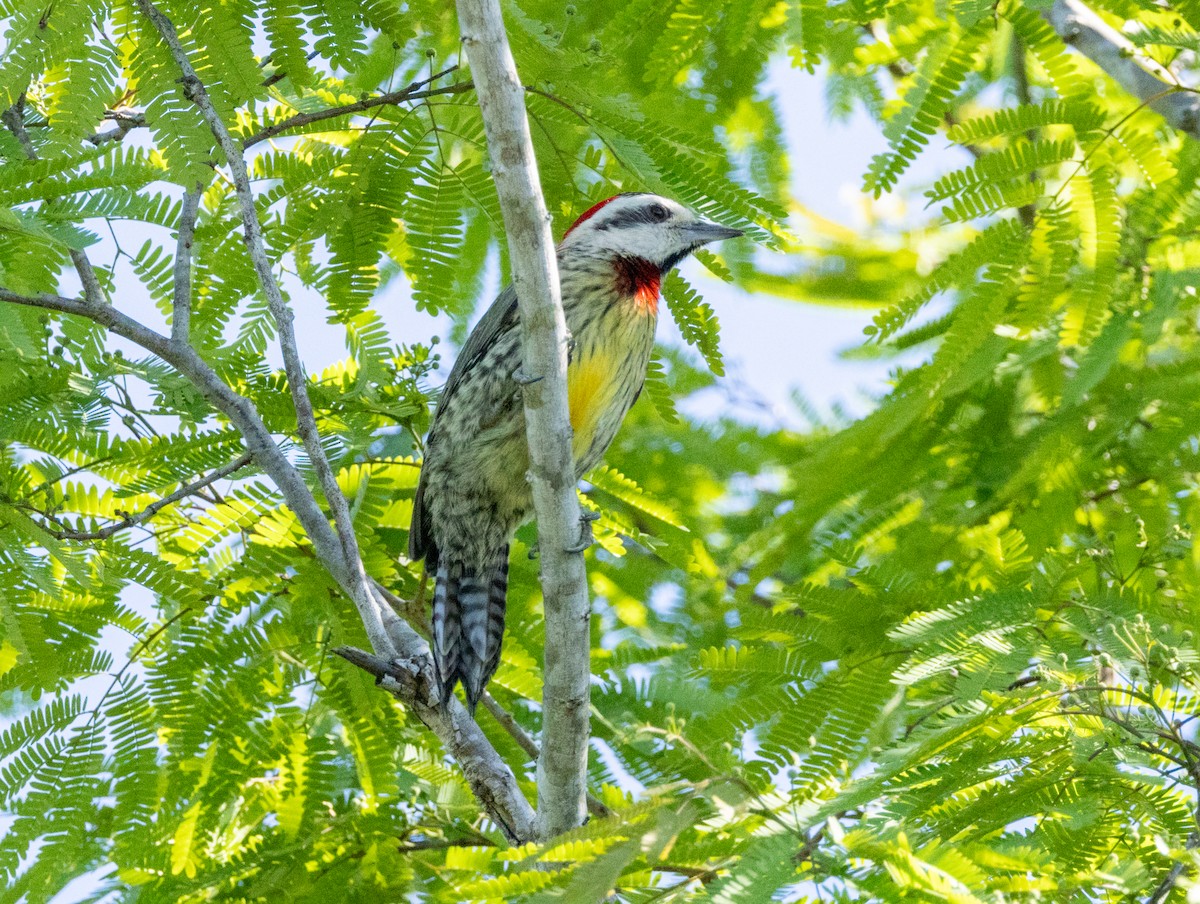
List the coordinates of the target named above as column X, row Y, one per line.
column 155, row 507
column 441, row 844
column 509, row 724
column 376, row 617
column 15, row 120
column 413, row 612
column 125, row 121
column 282, row 73
column 391, row 98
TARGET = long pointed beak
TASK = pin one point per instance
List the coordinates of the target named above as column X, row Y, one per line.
column 702, row 232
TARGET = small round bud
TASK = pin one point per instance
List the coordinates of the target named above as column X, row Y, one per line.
column 570, row 9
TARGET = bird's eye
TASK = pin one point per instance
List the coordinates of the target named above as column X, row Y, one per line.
column 658, row 213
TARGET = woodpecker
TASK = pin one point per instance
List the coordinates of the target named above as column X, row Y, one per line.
column 472, row 492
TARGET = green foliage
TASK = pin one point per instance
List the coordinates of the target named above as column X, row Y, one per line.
column 1082, row 116
column 943, row 651
column 940, row 75
column 696, row 319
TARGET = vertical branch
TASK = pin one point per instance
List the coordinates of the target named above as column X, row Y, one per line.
column 181, row 309
column 373, row 613
column 562, row 764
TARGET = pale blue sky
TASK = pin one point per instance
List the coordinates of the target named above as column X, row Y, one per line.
column 771, row 345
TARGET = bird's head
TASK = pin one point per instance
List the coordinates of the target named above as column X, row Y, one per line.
column 643, row 227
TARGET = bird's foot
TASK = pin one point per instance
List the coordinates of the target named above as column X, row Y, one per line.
column 406, row 672
column 586, row 538
column 519, row 376
column 533, row 552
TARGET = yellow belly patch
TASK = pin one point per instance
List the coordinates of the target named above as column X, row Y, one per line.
column 590, row 388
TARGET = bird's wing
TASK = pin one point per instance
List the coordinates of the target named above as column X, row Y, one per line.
column 420, row 537
column 499, row 318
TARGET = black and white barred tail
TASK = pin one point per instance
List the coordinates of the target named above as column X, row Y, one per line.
column 468, row 625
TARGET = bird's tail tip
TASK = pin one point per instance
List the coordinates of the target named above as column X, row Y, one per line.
column 468, row 626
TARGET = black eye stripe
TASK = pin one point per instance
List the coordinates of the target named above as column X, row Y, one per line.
column 636, row 217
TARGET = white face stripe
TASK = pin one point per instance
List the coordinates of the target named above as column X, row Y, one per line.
column 624, row 228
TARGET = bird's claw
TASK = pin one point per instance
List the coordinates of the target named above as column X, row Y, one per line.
column 524, row 379
column 586, row 538
column 533, row 552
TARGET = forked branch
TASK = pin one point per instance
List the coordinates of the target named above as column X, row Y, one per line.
column 492, row 780
column 372, row 612
column 154, row 508
column 336, row 547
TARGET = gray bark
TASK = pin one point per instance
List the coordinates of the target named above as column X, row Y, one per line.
column 562, row 763
column 1149, row 82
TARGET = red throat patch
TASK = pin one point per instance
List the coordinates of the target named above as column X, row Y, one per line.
column 639, row 278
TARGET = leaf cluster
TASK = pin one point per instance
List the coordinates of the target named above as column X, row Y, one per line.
column 942, row 651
